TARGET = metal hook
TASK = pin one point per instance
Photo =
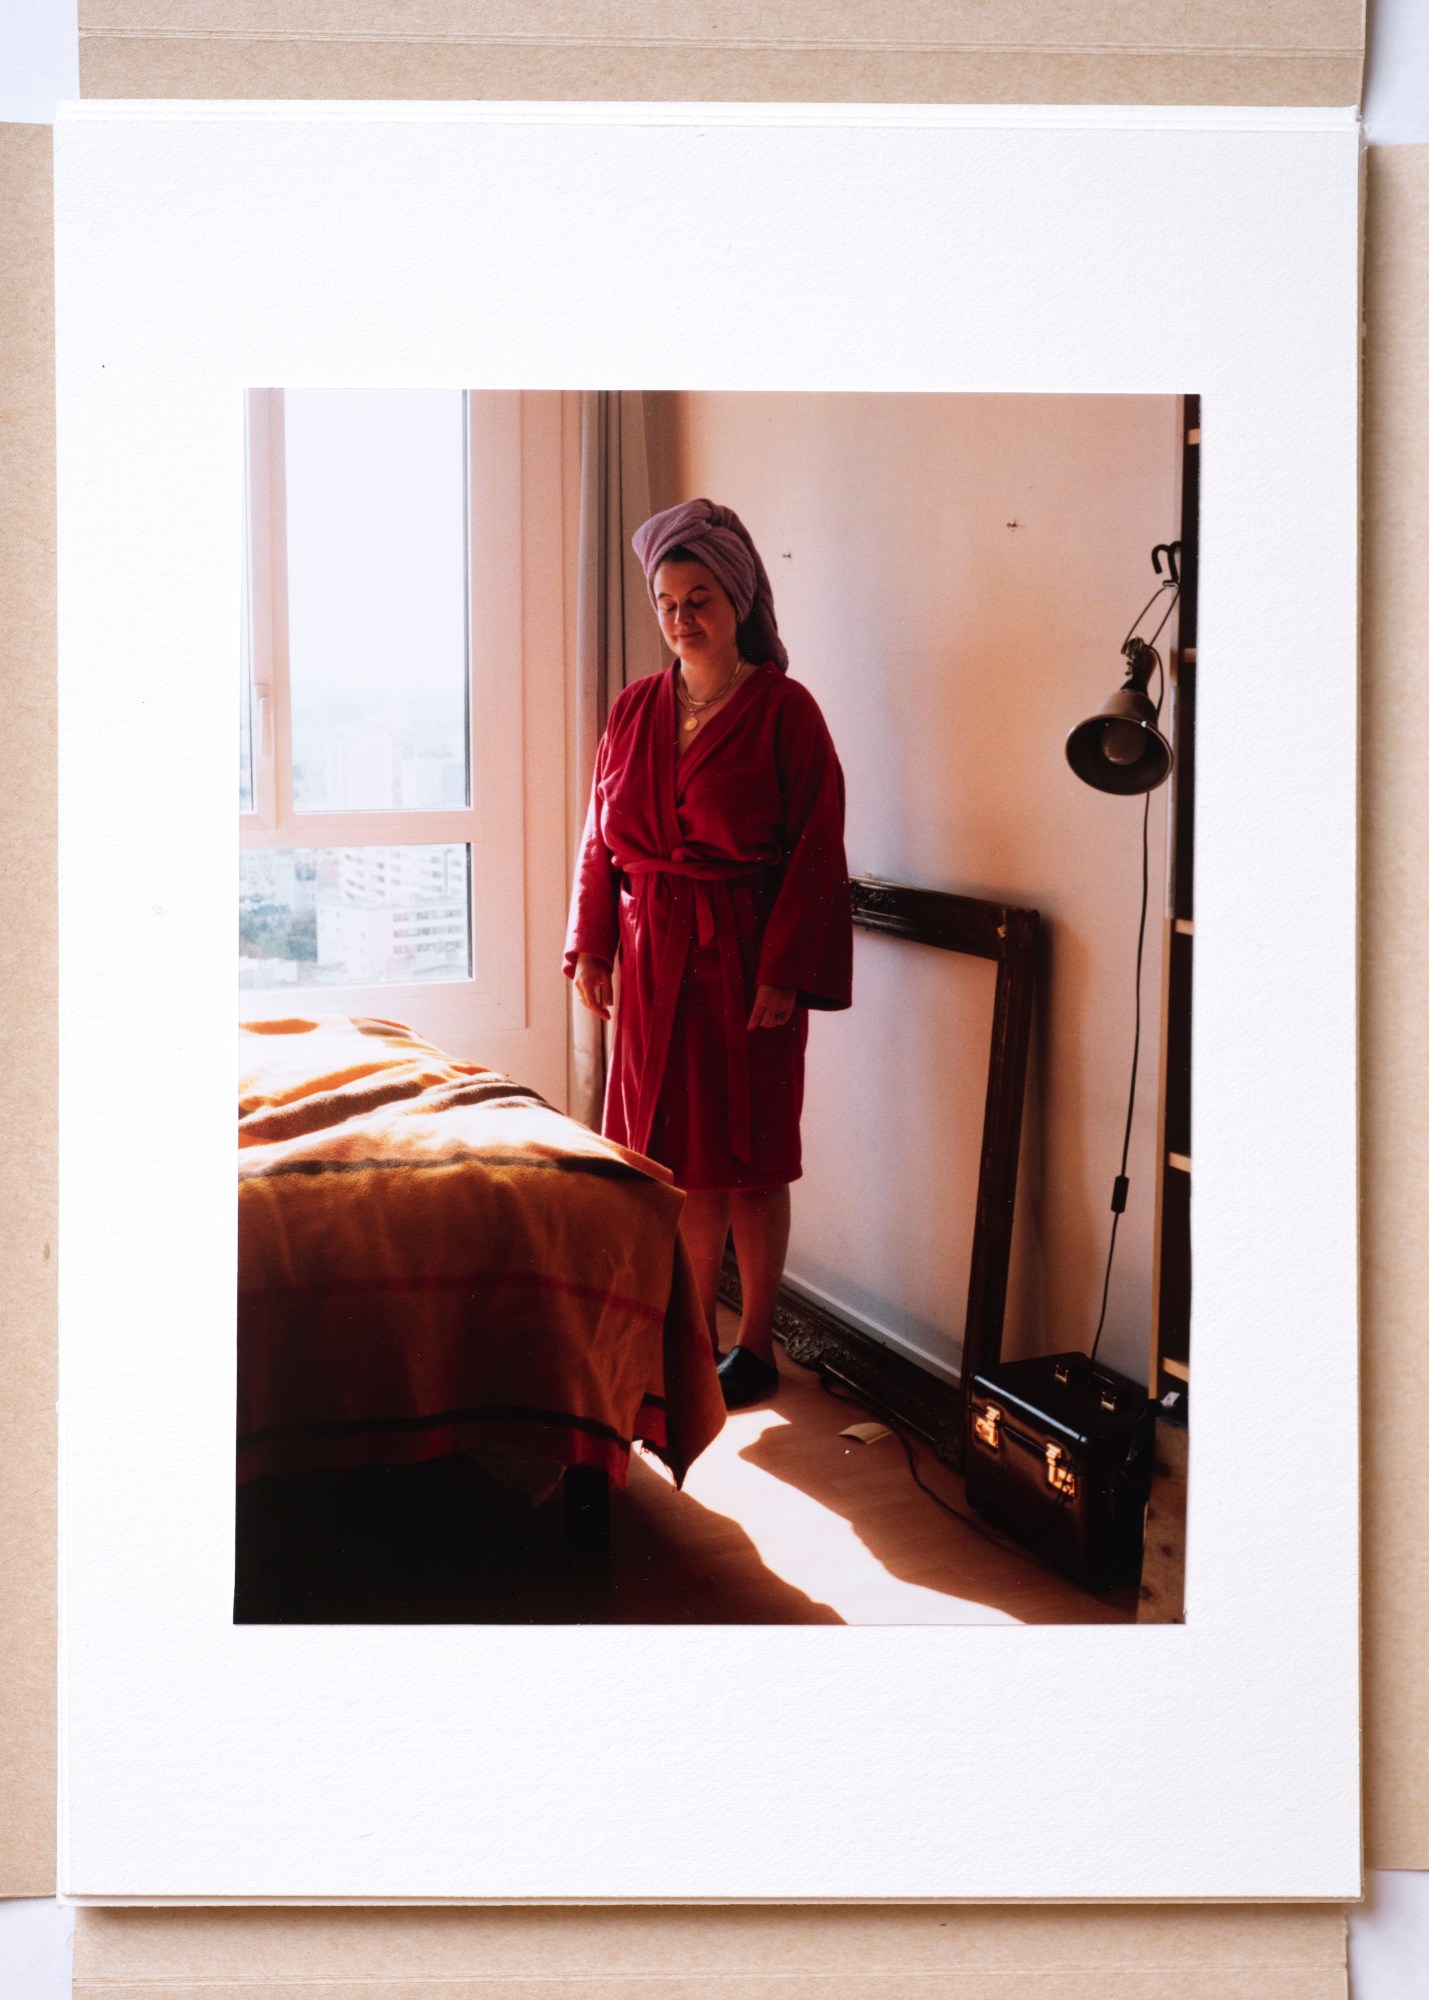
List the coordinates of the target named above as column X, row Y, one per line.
column 1172, row 553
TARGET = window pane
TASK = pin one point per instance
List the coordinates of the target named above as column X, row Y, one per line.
column 245, row 746
column 354, row 916
column 376, row 537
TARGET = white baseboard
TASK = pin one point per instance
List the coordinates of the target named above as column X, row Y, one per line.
column 875, row 1330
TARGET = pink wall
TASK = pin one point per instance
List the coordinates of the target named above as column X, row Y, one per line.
column 951, row 652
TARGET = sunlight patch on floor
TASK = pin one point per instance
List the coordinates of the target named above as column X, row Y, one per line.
column 812, row 1547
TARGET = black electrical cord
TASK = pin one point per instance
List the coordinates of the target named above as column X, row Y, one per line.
column 1165, row 584
column 1121, row 1185
column 1175, row 590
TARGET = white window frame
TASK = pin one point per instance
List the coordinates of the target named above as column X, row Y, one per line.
column 461, row 1015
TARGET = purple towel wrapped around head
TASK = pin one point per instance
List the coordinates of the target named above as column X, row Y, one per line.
column 717, row 537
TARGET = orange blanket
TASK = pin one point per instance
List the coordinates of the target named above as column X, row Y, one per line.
column 431, row 1260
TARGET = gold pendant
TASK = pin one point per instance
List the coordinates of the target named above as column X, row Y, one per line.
column 693, row 723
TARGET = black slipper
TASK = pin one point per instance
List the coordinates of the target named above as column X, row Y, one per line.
column 744, row 1378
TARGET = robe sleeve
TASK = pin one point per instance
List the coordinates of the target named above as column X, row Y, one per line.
column 808, row 938
column 594, row 924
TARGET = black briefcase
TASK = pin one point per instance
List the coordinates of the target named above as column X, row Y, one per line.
column 1059, row 1457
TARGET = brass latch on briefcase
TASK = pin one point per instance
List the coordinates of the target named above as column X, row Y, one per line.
column 986, row 1425
column 1060, row 1478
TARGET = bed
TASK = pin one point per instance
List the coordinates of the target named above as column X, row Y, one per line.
column 431, row 1260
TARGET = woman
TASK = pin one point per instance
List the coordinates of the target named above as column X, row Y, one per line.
column 712, row 867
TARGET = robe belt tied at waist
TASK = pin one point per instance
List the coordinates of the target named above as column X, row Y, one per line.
column 701, row 906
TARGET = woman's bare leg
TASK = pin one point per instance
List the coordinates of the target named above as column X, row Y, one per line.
column 704, row 1224
column 760, row 1220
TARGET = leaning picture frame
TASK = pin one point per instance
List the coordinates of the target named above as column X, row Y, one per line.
column 820, row 1337
column 891, row 246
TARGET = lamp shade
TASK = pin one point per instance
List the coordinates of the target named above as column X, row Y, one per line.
column 1120, row 749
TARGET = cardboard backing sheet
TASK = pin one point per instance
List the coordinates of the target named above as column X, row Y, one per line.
column 29, row 1046
column 1217, row 51
column 899, row 51
column 763, row 1952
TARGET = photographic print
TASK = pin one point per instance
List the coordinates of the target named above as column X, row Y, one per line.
column 897, row 856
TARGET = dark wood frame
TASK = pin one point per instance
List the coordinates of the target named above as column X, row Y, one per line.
column 818, row 1338
column 1171, row 1319
column 1163, row 1569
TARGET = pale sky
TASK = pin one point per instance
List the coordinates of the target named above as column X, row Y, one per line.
column 376, row 575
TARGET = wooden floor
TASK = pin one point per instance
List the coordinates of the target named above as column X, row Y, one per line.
column 781, row 1521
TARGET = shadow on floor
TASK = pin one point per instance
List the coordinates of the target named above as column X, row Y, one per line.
column 907, row 1533
column 443, row 1544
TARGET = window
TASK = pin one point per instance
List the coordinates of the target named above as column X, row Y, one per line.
column 380, row 745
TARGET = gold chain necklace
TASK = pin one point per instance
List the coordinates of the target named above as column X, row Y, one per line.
column 692, row 707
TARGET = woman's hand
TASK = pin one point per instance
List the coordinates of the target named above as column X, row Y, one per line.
column 592, row 982
column 773, row 1006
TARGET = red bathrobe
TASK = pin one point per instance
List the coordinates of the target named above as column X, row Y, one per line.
column 705, row 877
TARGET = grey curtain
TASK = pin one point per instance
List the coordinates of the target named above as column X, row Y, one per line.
column 617, row 639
